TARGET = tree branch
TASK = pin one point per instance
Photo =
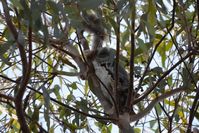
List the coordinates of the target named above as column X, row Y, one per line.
column 71, row 51
column 158, row 120
column 149, row 90
column 157, row 45
column 193, row 110
column 91, row 74
column 174, row 112
column 7, row 97
column 62, row 104
column 82, row 39
column 116, row 89
column 25, row 69
column 131, row 84
column 154, row 102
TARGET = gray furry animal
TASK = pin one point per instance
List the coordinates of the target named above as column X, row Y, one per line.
column 103, row 60
column 105, row 67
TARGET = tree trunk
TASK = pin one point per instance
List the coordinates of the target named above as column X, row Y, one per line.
column 124, row 123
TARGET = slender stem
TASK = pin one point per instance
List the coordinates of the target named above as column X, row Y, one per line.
column 25, row 71
column 131, row 86
column 117, row 64
column 155, row 101
column 157, row 45
column 62, row 104
column 149, row 90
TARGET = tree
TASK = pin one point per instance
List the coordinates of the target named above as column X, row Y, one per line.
column 44, row 71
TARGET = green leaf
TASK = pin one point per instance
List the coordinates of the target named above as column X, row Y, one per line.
column 169, row 45
column 158, row 109
column 52, row 128
column 34, row 119
column 170, row 80
column 177, row 118
column 5, row 60
column 125, row 38
column 66, row 61
column 110, row 128
column 74, row 16
column 17, row 4
column 162, row 51
column 56, row 92
column 76, row 120
column 4, row 48
column 186, row 78
column 182, row 116
column 50, row 62
column 82, row 105
column 104, row 129
column 90, row 4
column 152, row 123
column 113, row 24
column 152, row 13
column 52, row 7
column 170, row 102
column 70, row 97
column 143, row 22
column 151, row 19
column 86, row 88
column 137, row 130
column 73, row 85
column 47, row 105
column 64, row 112
column 143, row 48
column 35, row 116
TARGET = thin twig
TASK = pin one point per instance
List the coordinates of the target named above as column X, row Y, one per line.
column 174, row 113
column 195, row 102
column 149, row 90
column 7, row 97
column 163, row 109
column 62, row 104
column 25, row 72
column 116, row 92
column 155, row 101
column 84, row 42
column 158, row 120
column 131, row 84
column 157, row 45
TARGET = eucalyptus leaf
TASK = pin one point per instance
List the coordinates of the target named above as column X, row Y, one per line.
column 47, row 105
column 90, row 4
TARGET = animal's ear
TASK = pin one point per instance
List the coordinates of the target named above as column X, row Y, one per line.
column 103, row 52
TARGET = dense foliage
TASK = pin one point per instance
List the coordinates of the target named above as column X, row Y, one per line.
column 42, row 63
